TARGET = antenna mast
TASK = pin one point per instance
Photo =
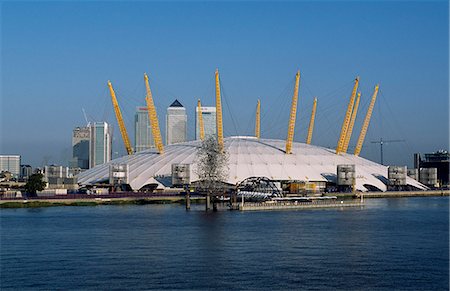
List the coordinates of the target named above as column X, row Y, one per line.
column 119, row 118
column 200, row 120
column 292, row 117
column 348, row 136
column 153, row 117
column 365, row 126
column 311, row 122
column 219, row 121
column 347, row 118
column 258, row 120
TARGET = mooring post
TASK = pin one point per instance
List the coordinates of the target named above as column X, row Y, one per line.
column 188, row 200
column 214, row 204
column 208, row 202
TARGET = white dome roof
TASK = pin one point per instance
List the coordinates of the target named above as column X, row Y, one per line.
column 248, row 157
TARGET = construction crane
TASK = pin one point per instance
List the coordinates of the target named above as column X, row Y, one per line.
column 292, row 117
column 311, row 122
column 258, row 120
column 219, row 121
column 123, row 130
column 200, row 120
column 347, row 118
column 348, row 136
column 153, row 117
column 381, row 142
column 365, row 126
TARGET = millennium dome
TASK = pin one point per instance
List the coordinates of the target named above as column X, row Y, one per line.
column 248, row 157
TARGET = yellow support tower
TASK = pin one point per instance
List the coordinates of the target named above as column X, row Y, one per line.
column 352, row 124
column 291, row 127
column 258, row 120
column 365, row 126
column 153, row 117
column 200, row 120
column 311, row 122
column 123, row 130
column 219, row 122
column 347, row 118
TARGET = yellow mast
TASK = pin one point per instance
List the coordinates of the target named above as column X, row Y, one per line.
column 311, row 122
column 219, row 122
column 365, row 126
column 258, row 120
column 346, row 122
column 153, row 117
column 352, row 124
column 123, row 130
column 200, row 120
column 291, row 127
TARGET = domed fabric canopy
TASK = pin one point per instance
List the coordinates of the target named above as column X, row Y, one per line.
column 249, row 157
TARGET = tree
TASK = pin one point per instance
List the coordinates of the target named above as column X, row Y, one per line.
column 35, row 183
column 212, row 167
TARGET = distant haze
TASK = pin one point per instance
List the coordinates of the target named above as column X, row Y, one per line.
column 58, row 56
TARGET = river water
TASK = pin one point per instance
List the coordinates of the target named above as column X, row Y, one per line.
column 389, row 244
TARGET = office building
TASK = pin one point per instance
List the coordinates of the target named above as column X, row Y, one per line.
column 176, row 123
column 10, row 163
column 143, row 138
column 25, row 172
column 80, row 148
column 209, row 121
column 100, row 143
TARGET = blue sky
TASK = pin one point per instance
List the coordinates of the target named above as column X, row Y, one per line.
column 57, row 57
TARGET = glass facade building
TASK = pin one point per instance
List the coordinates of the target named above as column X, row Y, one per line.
column 100, row 143
column 209, row 121
column 143, row 138
column 10, row 163
column 80, row 148
column 176, row 123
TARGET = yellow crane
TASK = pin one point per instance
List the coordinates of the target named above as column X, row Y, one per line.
column 219, row 122
column 347, row 118
column 200, row 120
column 292, row 117
column 153, row 117
column 311, row 122
column 123, row 130
column 352, row 124
column 365, row 126
column 258, row 120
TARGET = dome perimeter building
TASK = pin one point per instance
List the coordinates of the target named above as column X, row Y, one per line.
column 248, row 157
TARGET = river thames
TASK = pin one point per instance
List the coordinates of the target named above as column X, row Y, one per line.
column 388, row 244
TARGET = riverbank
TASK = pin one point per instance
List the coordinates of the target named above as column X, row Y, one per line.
column 392, row 194
column 96, row 201
column 50, row 202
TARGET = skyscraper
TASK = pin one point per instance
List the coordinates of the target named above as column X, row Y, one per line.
column 143, row 138
column 176, row 123
column 100, row 145
column 209, row 121
column 80, row 148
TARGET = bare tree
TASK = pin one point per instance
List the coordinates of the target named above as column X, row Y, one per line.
column 212, row 168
